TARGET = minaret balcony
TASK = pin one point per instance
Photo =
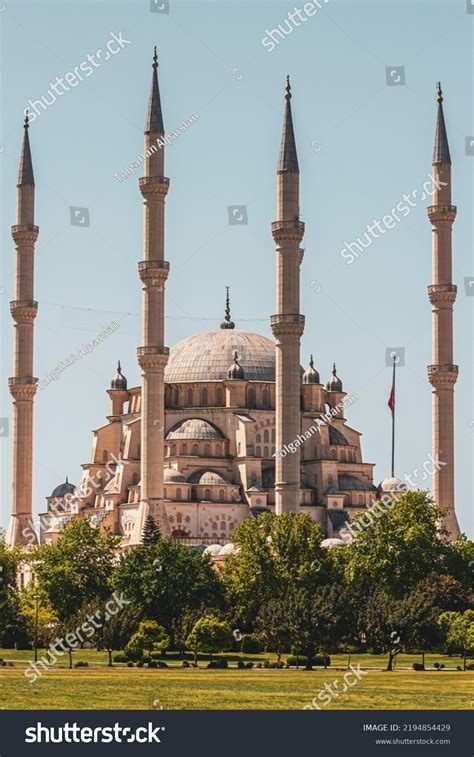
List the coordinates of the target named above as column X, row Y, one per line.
column 282, row 323
column 288, row 231
column 154, row 185
column 152, row 356
column 23, row 309
column 153, row 272
column 442, row 294
column 25, row 233
column 442, row 213
column 443, row 376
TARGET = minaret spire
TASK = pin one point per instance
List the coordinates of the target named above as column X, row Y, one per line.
column 441, row 147
column 443, row 373
column 288, row 159
column 153, row 355
column 154, row 118
column 23, row 384
column 287, row 324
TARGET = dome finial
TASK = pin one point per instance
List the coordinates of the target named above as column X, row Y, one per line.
column 311, row 361
column 288, row 89
column 440, row 94
column 27, row 120
column 334, row 369
column 227, row 323
column 67, row 481
column 155, row 59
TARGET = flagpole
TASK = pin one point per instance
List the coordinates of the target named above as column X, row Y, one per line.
column 393, row 416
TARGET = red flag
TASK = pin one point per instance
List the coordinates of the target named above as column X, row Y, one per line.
column 391, row 399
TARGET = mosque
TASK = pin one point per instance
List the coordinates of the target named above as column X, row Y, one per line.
column 226, row 424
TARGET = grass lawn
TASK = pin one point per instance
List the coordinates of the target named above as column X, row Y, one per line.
column 122, row 688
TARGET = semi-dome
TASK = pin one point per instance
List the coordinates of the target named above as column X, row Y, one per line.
column 194, row 428
column 63, row 489
column 173, row 476
column 207, row 356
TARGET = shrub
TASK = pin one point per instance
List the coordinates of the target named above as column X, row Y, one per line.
column 132, row 653
column 318, row 659
column 81, row 664
column 120, row 657
column 140, row 664
column 266, row 663
column 251, row 644
column 417, row 666
column 240, row 664
column 458, row 667
column 291, row 661
column 258, row 665
column 470, row 666
column 161, row 664
column 130, row 664
column 218, row 664
column 186, row 664
column 152, row 664
column 249, row 665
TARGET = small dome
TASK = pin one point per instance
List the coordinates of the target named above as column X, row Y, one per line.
column 334, row 384
column 229, row 549
column 212, row 478
column 236, row 372
column 331, row 543
column 311, row 376
column 392, row 485
column 120, row 381
column 173, row 476
column 213, row 549
column 194, row 428
column 63, row 489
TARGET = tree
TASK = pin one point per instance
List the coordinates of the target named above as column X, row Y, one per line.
column 78, row 568
column 384, row 624
column 276, row 554
column 394, row 550
column 273, row 626
column 150, row 636
column 12, row 629
column 164, row 580
column 40, row 620
column 210, row 635
column 151, row 533
column 458, row 631
column 117, row 630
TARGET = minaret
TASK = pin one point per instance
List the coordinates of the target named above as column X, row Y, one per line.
column 23, row 385
column 287, row 325
column 153, row 355
column 442, row 373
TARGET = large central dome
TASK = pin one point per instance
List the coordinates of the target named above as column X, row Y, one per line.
column 208, row 356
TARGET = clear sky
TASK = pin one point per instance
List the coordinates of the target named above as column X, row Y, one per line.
column 361, row 143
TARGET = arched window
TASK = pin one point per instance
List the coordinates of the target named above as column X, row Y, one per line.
column 342, row 455
column 207, row 495
column 195, row 449
column 218, row 450
column 221, row 495
column 135, row 479
column 219, row 400
column 265, row 398
column 273, row 436
column 214, row 535
column 360, row 499
column 204, row 398
column 273, row 452
column 105, row 455
column 223, row 526
column 178, row 493
column 190, row 397
column 266, row 436
column 258, row 439
column 333, row 454
column 173, row 449
column 207, row 450
column 176, row 397
column 250, row 397
column 258, row 451
column 184, row 449
column 266, row 452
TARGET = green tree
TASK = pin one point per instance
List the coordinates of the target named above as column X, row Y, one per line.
column 78, row 568
column 276, row 554
column 164, row 580
column 12, row 628
column 38, row 616
column 151, row 533
column 395, row 550
column 458, row 631
column 210, row 635
column 273, row 626
column 150, row 636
